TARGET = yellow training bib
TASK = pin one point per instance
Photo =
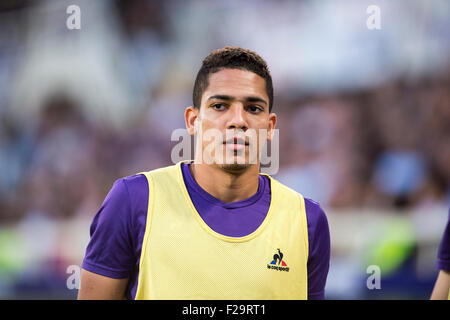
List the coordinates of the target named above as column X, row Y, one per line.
column 183, row 258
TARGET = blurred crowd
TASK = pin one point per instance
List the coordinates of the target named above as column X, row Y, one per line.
column 385, row 145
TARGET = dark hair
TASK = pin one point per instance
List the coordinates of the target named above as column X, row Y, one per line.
column 231, row 58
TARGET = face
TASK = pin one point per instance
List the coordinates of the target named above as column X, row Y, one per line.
column 233, row 122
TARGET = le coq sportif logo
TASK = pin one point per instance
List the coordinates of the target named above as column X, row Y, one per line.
column 278, row 263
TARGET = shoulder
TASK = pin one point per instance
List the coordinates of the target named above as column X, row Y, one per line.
column 313, row 209
column 123, row 193
column 315, row 215
column 171, row 169
column 123, row 210
column 127, row 196
column 135, row 188
column 282, row 188
column 133, row 183
column 126, row 188
column 163, row 177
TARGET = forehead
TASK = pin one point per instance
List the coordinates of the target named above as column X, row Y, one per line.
column 237, row 83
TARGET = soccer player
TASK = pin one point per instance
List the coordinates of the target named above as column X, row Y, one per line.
column 209, row 228
column 441, row 290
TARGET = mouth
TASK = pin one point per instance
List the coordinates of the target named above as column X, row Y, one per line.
column 236, row 143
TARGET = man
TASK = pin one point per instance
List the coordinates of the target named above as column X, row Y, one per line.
column 441, row 290
column 214, row 228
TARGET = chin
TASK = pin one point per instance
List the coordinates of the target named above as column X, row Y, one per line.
column 235, row 167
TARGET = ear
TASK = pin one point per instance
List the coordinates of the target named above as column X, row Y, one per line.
column 191, row 119
column 272, row 125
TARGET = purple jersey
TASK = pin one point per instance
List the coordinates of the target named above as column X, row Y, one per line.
column 118, row 228
column 443, row 261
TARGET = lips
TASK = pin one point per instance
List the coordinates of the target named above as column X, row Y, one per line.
column 236, row 144
column 237, row 140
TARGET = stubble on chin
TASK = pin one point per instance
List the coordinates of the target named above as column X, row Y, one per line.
column 234, row 167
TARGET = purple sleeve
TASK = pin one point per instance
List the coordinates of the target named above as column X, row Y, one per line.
column 110, row 249
column 443, row 261
column 319, row 250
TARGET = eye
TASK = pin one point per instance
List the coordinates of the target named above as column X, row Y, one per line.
column 218, row 106
column 254, row 109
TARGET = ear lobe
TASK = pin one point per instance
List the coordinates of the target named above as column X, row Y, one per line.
column 192, row 128
column 272, row 126
column 270, row 135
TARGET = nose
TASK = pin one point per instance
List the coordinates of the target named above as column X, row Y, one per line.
column 237, row 118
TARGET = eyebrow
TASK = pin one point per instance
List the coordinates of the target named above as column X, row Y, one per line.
column 230, row 98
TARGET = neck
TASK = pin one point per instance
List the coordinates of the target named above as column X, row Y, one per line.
column 224, row 185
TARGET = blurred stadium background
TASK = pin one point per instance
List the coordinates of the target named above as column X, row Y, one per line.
column 364, row 119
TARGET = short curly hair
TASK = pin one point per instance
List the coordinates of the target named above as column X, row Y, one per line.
column 231, row 58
